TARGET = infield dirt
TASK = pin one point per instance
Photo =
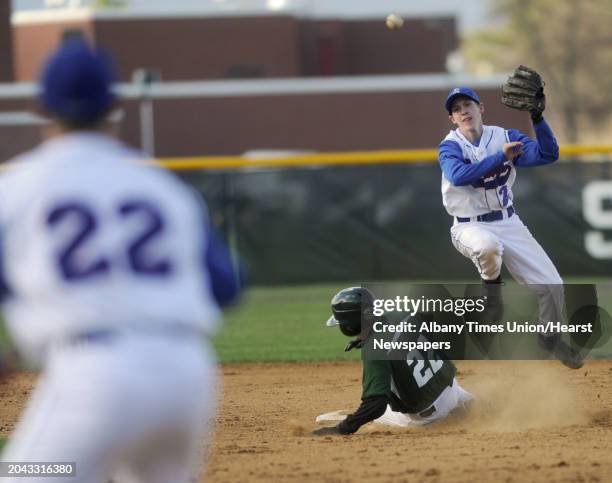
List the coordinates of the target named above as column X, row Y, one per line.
column 532, row 421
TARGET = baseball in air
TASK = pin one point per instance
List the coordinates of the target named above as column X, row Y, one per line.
column 394, row 21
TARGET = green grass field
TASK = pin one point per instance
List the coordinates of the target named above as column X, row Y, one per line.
column 287, row 324
column 282, row 324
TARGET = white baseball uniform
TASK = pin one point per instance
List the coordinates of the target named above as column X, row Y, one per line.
column 452, row 398
column 477, row 192
column 110, row 293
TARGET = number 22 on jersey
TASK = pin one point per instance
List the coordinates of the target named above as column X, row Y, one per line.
column 424, row 367
column 72, row 263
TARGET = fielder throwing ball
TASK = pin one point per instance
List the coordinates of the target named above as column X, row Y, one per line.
column 479, row 165
column 418, row 389
column 112, row 281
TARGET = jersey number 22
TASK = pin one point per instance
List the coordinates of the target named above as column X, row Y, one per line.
column 74, row 266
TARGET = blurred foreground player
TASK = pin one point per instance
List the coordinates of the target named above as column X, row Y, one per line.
column 113, row 281
column 418, row 389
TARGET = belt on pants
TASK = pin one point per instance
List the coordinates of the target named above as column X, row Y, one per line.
column 428, row 412
column 495, row 215
column 432, row 409
column 104, row 336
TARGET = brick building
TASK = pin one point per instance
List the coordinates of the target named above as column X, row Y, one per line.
column 232, row 83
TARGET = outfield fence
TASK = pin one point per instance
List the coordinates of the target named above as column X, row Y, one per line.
column 378, row 215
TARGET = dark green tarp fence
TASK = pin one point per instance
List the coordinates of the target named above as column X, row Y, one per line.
column 385, row 222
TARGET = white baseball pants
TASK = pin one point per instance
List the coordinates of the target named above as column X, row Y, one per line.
column 137, row 409
column 453, row 397
column 510, row 241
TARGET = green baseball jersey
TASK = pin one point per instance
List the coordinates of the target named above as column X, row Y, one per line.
column 412, row 384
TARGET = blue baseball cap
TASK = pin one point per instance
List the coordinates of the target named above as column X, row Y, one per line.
column 460, row 91
column 76, row 83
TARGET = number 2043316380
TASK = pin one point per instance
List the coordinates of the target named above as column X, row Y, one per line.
column 74, row 266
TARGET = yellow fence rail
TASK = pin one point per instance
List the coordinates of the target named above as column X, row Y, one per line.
column 347, row 158
column 417, row 156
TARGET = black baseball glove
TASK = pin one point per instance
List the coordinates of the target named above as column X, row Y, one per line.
column 524, row 90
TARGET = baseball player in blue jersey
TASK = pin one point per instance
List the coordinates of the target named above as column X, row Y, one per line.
column 479, row 165
column 112, row 281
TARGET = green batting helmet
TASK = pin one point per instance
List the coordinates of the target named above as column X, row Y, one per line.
column 348, row 308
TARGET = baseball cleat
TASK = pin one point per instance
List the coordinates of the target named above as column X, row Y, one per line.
column 565, row 353
column 494, row 309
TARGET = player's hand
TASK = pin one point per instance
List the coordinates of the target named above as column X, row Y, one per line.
column 326, row 431
column 512, row 150
column 352, row 344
